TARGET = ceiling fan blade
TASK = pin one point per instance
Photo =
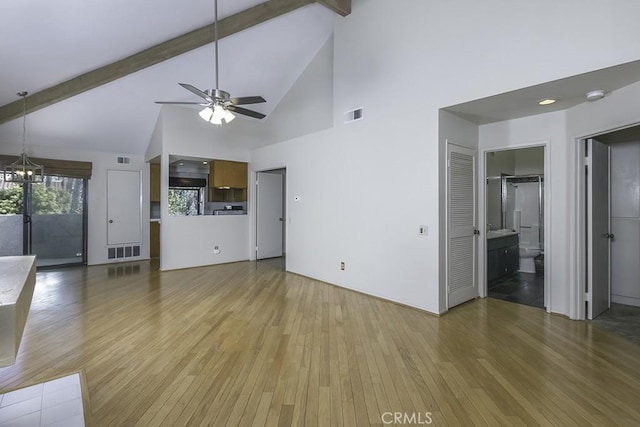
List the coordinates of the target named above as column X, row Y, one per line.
column 246, row 112
column 195, row 90
column 247, row 100
column 181, row 103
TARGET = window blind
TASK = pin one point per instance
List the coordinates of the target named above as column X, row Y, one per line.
column 68, row 168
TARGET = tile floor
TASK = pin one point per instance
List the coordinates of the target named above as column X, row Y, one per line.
column 622, row 320
column 521, row 288
column 53, row 403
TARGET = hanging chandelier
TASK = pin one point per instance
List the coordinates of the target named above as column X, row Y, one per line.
column 23, row 170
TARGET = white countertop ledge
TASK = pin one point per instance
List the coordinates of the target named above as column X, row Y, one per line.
column 495, row 234
column 17, row 282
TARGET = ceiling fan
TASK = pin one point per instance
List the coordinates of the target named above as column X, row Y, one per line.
column 219, row 106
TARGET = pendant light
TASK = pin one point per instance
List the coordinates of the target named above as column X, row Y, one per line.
column 23, row 170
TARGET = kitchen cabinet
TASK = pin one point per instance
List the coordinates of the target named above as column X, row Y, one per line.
column 503, row 256
column 154, row 191
column 228, row 174
column 228, row 181
column 154, row 239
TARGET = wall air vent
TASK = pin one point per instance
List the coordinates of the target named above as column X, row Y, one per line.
column 123, row 252
column 124, row 160
column 354, row 115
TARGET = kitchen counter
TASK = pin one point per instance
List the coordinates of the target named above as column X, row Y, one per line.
column 17, row 282
column 229, row 212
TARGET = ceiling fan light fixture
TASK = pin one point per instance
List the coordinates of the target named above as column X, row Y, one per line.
column 217, row 116
column 228, row 115
column 220, row 115
column 206, row 114
column 219, row 106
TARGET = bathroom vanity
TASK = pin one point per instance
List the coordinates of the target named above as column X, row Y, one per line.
column 503, row 256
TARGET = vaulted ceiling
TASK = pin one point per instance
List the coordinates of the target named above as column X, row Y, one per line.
column 93, row 69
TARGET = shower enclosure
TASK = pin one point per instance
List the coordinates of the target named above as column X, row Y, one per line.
column 523, row 206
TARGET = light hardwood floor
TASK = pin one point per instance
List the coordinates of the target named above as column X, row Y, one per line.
column 248, row 344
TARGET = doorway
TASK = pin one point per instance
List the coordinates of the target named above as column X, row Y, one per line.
column 515, row 225
column 462, row 231
column 611, row 238
column 271, row 214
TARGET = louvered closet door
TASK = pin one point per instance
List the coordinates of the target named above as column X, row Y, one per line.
column 461, row 225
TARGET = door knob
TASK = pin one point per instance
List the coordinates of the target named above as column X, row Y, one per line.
column 281, row 219
column 476, row 231
column 110, row 221
column 610, row 236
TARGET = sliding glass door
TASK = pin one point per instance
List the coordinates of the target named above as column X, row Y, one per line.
column 11, row 218
column 47, row 219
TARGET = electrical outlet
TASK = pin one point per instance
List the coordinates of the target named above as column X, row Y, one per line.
column 216, row 250
column 342, row 265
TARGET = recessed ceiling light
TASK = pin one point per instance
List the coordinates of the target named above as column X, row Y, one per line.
column 547, row 101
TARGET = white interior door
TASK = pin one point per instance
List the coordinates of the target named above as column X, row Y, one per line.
column 598, row 229
column 624, row 166
column 269, row 215
column 124, row 209
column 462, row 283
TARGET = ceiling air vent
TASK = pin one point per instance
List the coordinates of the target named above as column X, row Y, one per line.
column 353, row 115
column 123, row 160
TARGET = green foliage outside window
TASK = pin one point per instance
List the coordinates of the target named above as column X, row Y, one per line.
column 45, row 200
column 184, row 201
column 11, row 200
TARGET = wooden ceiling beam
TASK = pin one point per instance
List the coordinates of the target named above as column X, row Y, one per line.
column 153, row 55
column 341, row 7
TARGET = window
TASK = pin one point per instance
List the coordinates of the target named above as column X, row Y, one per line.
column 185, row 200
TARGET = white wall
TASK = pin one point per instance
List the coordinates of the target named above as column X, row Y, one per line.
column 155, row 143
column 308, row 105
column 529, row 161
column 434, row 57
column 185, row 133
column 97, row 194
column 501, row 162
column 190, row 241
column 617, row 109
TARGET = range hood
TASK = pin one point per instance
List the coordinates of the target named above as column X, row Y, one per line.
column 175, row 181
